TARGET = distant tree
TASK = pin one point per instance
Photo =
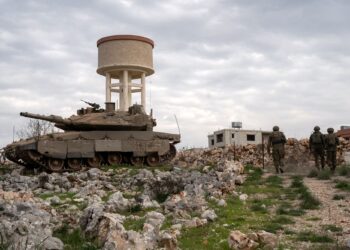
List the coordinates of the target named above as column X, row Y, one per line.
column 35, row 128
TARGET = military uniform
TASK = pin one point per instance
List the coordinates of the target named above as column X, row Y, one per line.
column 317, row 146
column 277, row 140
column 331, row 143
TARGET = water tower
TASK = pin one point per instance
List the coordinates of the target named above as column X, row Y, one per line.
column 125, row 61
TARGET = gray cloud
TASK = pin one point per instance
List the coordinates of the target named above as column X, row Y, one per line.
column 261, row 62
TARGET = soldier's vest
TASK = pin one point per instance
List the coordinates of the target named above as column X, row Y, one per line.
column 317, row 138
column 331, row 139
column 277, row 138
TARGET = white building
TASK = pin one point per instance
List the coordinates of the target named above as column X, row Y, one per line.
column 239, row 137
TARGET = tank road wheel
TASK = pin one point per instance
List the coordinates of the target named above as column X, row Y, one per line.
column 74, row 164
column 55, row 165
column 94, row 162
column 169, row 155
column 114, row 158
column 137, row 160
column 152, row 160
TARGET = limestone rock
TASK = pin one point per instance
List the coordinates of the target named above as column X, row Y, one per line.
column 155, row 219
column 24, row 225
column 168, row 241
column 243, row 197
column 209, row 214
column 238, row 240
column 117, row 202
column 55, row 200
column 267, row 239
column 222, row 203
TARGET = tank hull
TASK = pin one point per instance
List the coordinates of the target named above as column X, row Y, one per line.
column 70, row 151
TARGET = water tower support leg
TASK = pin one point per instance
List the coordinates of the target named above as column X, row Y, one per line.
column 143, row 90
column 125, row 91
column 108, row 87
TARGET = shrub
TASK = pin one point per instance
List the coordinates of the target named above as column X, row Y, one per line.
column 324, row 174
column 309, row 201
column 313, row 173
column 343, row 185
column 332, row 228
column 297, row 182
column 344, row 170
column 313, row 237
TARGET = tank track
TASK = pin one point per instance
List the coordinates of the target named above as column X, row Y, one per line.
column 33, row 159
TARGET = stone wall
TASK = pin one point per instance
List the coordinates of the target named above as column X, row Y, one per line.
column 298, row 156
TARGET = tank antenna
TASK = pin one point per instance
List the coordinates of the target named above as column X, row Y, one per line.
column 178, row 127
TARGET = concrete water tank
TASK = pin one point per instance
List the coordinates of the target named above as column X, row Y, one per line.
column 125, row 61
column 131, row 52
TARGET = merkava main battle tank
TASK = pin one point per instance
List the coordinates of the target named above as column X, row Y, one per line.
column 94, row 137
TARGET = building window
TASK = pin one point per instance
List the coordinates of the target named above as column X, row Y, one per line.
column 220, row 138
column 233, row 135
column 212, row 142
column 250, row 137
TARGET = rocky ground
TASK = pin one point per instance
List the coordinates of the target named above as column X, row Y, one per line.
column 113, row 208
column 221, row 205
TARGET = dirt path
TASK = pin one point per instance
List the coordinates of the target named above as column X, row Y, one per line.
column 332, row 213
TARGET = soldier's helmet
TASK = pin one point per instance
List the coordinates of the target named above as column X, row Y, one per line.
column 275, row 128
column 330, row 130
column 316, row 128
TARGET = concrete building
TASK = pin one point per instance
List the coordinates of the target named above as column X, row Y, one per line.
column 239, row 137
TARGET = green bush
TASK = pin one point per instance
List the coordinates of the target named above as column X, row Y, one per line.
column 297, row 182
column 344, row 170
column 343, row 185
column 313, row 237
column 313, row 173
column 309, row 201
column 286, row 209
column 324, row 174
column 332, row 228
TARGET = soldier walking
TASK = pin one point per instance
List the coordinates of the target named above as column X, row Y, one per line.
column 317, row 145
column 277, row 140
column 331, row 143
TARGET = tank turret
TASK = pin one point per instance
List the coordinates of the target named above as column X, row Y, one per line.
column 93, row 119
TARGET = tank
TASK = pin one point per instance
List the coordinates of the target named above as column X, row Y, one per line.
column 95, row 137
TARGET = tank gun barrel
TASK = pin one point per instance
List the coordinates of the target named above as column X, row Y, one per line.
column 49, row 118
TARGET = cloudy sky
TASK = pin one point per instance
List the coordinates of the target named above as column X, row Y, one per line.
column 262, row 62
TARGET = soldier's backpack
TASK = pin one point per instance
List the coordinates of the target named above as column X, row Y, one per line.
column 331, row 139
column 316, row 138
column 277, row 137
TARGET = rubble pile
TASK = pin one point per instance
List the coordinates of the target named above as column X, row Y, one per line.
column 297, row 155
column 104, row 202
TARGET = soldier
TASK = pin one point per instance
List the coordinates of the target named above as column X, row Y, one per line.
column 277, row 140
column 316, row 145
column 331, row 143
